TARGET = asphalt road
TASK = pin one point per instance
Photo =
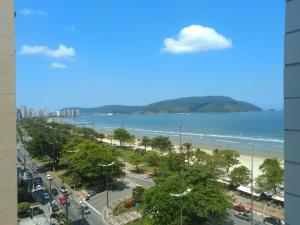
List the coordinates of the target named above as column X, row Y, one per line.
column 97, row 203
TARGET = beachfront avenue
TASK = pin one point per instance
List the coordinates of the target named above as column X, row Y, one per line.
column 73, row 155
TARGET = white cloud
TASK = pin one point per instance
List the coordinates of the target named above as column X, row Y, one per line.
column 61, row 52
column 56, row 65
column 196, row 38
column 27, row 12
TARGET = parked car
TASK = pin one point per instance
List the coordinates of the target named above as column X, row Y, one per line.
column 54, row 191
column 54, row 207
column 45, row 196
column 38, row 187
column 29, row 174
column 90, row 194
column 240, row 208
column 85, row 209
column 63, row 189
column 49, row 177
column 272, row 221
column 243, row 216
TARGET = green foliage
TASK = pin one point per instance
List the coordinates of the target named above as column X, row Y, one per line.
column 145, row 142
column 136, row 160
column 122, row 135
column 201, row 157
column 226, row 158
column 240, row 176
column 137, row 193
column 23, row 207
column 86, row 163
column 120, row 208
column 272, row 175
column 162, row 143
column 188, row 147
column 206, row 202
column 175, row 162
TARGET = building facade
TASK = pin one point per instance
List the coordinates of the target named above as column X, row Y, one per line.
column 292, row 112
column 8, row 178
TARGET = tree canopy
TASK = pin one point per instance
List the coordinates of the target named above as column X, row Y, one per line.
column 206, row 202
column 162, row 143
column 122, row 135
column 226, row 158
column 240, row 176
column 272, row 175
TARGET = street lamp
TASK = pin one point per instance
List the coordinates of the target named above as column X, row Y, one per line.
column 106, row 166
column 181, row 195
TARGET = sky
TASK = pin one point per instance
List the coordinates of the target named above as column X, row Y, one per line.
column 133, row 52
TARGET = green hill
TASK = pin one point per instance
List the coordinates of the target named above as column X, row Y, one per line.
column 181, row 105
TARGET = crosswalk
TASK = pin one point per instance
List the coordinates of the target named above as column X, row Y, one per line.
column 130, row 183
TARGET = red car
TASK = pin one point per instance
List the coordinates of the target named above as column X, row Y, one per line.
column 63, row 200
column 240, row 208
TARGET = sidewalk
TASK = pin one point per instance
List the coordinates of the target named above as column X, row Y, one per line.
column 121, row 219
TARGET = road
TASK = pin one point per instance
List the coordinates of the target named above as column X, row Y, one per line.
column 97, row 203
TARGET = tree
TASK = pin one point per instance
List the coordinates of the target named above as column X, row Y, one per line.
column 101, row 136
column 122, row 135
column 145, row 142
column 136, row 159
column 272, row 175
column 153, row 160
column 87, row 160
column 175, row 162
column 240, row 176
column 226, row 158
column 207, row 202
column 201, row 157
column 188, row 147
column 162, row 143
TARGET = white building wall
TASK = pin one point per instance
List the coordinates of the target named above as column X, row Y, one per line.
column 292, row 112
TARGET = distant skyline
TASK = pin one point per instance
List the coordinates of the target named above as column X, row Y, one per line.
column 135, row 53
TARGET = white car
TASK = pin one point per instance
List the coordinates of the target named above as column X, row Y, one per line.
column 39, row 187
column 49, row 177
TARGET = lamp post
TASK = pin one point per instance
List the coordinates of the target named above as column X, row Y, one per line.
column 181, row 195
column 252, row 169
column 106, row 166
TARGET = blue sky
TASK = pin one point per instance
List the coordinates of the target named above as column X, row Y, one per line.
column 136, row 52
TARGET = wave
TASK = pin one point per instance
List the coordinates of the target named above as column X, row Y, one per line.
column 205, row 135
column 234, row 142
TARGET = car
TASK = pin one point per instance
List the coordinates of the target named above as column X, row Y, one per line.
column 54, row 207
column 244, row 216
column 29, row 174
column 90, row 194
column 54, row 191
column 272, row 221
column 45, row 196
column 49, row 177
column 38, row 187
column 63, row 189
column 240, row 208
column 85, row 209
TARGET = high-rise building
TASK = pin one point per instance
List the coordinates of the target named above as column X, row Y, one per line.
column 8, row 178
column 292, row 112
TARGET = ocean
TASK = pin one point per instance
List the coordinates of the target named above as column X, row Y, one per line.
column 260, row 131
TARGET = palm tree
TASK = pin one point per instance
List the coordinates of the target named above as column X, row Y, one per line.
column 188, row 147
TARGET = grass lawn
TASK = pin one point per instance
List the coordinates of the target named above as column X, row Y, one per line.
column 139, row 222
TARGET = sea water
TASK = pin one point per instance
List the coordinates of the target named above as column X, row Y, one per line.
column 262, row 131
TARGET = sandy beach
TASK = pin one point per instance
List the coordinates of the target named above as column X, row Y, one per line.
column 245, row 156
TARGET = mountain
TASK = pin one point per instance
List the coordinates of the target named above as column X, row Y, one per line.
column 180, row 105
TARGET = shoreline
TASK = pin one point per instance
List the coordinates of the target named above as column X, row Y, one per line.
column 245, row 155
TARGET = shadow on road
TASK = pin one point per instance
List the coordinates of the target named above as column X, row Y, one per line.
column 80, row 222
